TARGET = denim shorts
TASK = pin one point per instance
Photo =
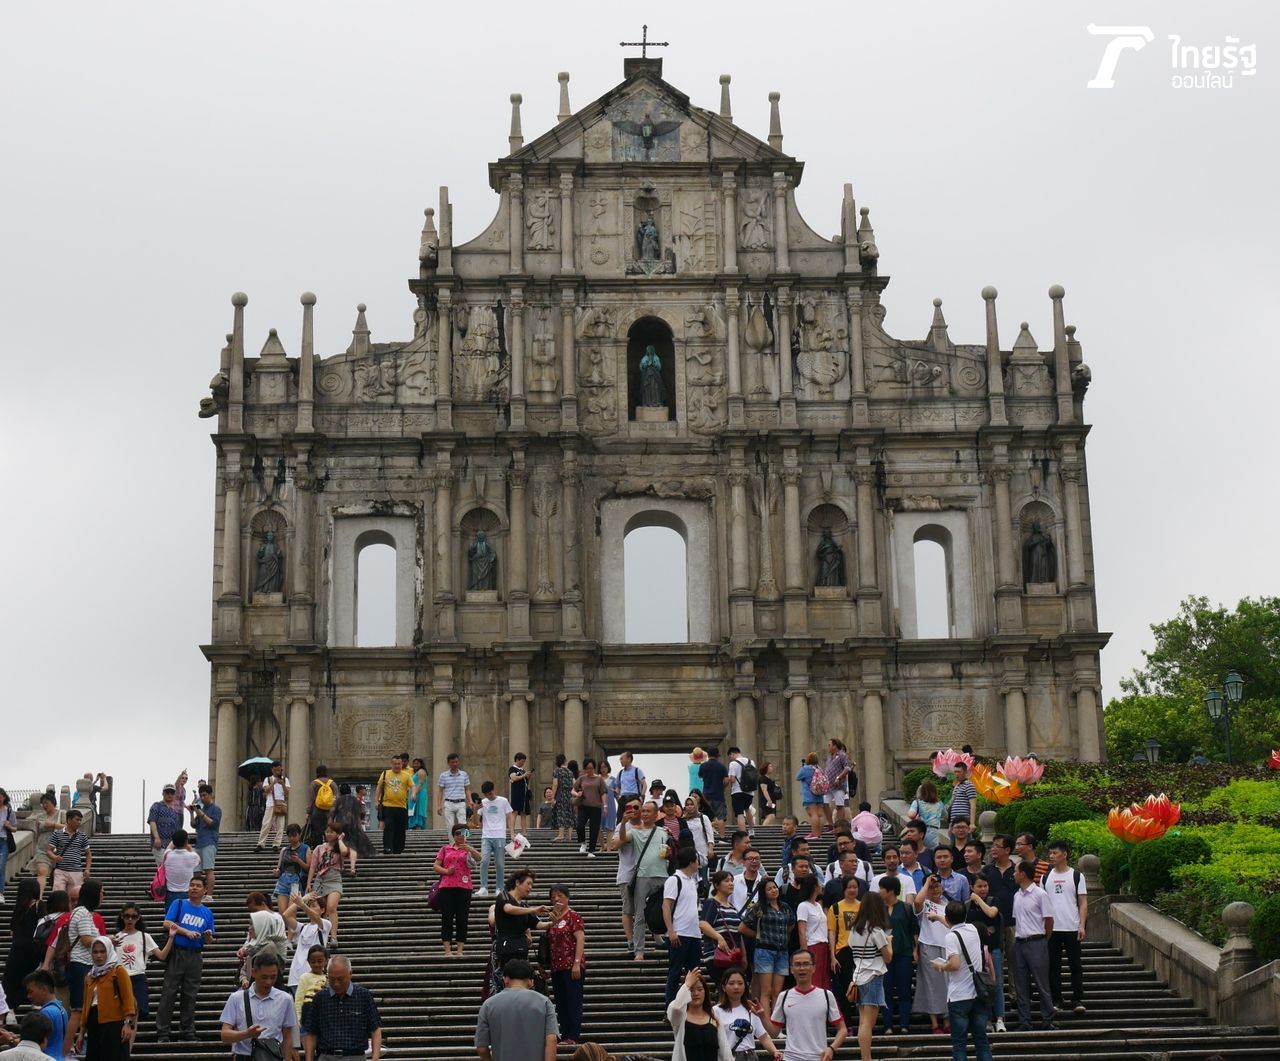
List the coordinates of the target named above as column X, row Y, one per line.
column 771, row 961
column 208, row 856
column 872, row 992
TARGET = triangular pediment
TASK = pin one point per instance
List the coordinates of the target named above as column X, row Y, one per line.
column 646, row 119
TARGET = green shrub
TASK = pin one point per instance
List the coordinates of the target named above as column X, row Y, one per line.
column 1245, row 798
column 913, row 779
column 1198, row 896
column 1090, row 837
column 1153, row 862
column 1007, row 817
column 1239, row 840
column 1038, row 816
column 1264, row 929
column 1114, row 871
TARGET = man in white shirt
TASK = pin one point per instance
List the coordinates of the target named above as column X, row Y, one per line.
column 275, row 788
column 33, row 1035
column 805, row 1011
column 1032, row 922
column 451, row 794
column 271, row 1015
column 680, row 915
column 740, row 798
column 1069, row 905
column 965, row 954
column 497, row 824
column 892, row 866
column 629, row 816
column 747, row 885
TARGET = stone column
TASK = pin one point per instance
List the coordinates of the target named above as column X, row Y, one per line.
column 744, row 723
column 870, row 620
column 1015, row 720
column 566, row 222
column 299, row 763
column 517, row 359
column 784, row 343
column 568, row 363
column 874, row 774
column 995, row 368
column 575, row 737
column 798, row 727
column 1008, row 591
column 443, row 534
column 782, row 258
column 517, row 551
column 796, row 592
column 231, row 485
column 1087, row 720
column 441, row 735
column 740, row 569
column 1075, row 527
column 515, row 223
column 444, row 357
column 857, row 364
column 518, row 723
column 1061, row 360
column 571, row 602
column 226, row 759
column 301, row 599
column 235, row 380
column 734, row 358
column 306, row 367
column 729, row 185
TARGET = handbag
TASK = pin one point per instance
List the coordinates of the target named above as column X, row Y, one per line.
column 10, row 842
column 733, row 958
column 984, row 986
column 636, row 875
column 261, row 1049
column 159, row 882
column 279, row 808
column 433, row 896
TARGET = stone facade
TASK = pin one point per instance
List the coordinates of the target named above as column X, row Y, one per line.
column 781, row 409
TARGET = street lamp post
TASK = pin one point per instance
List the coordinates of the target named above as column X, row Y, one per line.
column 1223, row 703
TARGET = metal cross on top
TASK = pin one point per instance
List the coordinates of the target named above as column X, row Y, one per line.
column 644, row 43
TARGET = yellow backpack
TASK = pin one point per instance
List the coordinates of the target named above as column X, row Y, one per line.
column 324, row 795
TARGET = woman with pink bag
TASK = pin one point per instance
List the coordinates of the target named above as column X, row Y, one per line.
column 451, row 894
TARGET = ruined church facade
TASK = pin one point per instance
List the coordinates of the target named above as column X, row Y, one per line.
column 649, row 334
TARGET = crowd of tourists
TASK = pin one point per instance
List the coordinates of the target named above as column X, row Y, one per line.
column 786, row 963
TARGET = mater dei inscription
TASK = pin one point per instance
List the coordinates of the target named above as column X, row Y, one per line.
column 648, row 333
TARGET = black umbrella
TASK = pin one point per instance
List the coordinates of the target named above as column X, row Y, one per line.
column 255, row 767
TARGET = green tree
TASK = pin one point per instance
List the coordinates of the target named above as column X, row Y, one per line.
column 1193, row 652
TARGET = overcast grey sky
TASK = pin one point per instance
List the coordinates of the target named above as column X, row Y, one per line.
column 158, row 157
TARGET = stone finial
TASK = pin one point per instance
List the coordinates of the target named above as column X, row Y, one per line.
column 990, row 293
column 987, row 826
column 868, row 252
column 273, row 348
column 726, row 111
column 1024, row 347
column 359, row 334
column 1090, row 868
column 1239, row 955
column 938, row 337
column 516, row 139
column 775, row 122
column 565, row 113
column 308, row 298
column 429, row 245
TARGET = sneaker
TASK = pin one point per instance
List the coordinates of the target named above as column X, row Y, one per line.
column 164, row 1039
column 482, row 892
column 1000, row 1025
column 2, row 899
column 582, row 849
column 591, row 854
column 1079, row 1008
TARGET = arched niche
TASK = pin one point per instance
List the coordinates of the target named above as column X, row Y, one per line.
column 828, row 517
column 352, row 534
column 948, row 529
column 645, row 332
column 268, row 519
column 692, row 521
column 1031, row 514
column 474, row 521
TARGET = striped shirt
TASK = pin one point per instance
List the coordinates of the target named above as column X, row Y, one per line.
column 455, row 785
column 71, row 846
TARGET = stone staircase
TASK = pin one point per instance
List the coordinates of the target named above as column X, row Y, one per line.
column 429, row 1003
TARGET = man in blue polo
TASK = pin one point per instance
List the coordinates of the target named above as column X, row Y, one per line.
column 629, row 783
column 453, row 785
column 206, row 818
column 192, row 926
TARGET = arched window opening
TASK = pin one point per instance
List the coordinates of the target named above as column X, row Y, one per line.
column 934, row 616
column 650, row 387
column 375, row 593
column 656, row 586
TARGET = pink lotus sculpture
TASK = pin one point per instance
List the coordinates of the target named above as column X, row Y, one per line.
column 1274, row 761
column 944, row 763
column 1024, row 771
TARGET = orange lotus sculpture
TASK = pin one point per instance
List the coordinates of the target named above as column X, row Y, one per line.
column 992, row 785
column 1144, row 821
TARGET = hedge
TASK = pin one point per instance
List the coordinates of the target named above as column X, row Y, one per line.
column 1038, row 816
column 1152, row 864
column 1264, row 929
column 1245, row 798
column 1198, row 896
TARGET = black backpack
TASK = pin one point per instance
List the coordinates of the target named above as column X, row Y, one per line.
column 750, row 780
column 653, row 908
